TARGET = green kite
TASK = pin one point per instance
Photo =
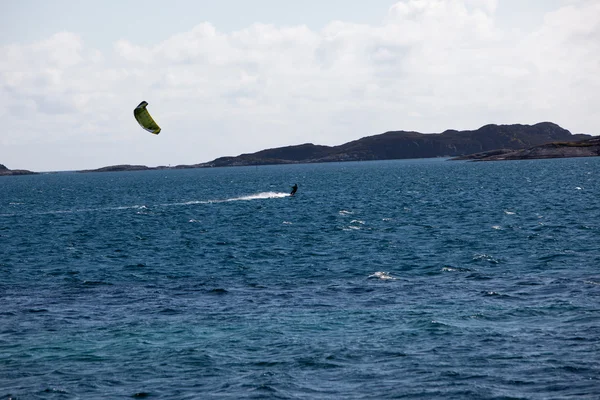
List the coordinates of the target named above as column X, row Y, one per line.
column 144, row 119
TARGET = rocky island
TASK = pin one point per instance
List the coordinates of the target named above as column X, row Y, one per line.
column 584, row 148
column 488, row 143
column 5, row 171
column 119, row 168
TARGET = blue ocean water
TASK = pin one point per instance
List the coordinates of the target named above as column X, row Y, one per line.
column 400, row 279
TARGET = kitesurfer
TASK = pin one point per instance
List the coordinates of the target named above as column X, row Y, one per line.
column 294, row 189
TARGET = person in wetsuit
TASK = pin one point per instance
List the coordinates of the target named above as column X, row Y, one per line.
column 294, row 189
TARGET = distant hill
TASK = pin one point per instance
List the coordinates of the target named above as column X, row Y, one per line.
column 490, row 142
column 403, row 144
column 489, row 139
column 5, row 171
column 118, row 168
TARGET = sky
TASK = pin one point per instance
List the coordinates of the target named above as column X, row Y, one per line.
column 228, row 77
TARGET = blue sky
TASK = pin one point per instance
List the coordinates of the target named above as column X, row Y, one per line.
column 103, row 22
column 230, row 77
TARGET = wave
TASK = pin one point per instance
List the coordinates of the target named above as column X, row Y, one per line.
column 455, row 269
column 78, row 210
column 485, row 257
column 382, row 275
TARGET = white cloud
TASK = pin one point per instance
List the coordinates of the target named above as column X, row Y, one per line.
column 431, row 65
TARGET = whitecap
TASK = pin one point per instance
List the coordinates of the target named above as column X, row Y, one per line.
column 509, row 212
column 485, row 257
column 455, row 269
column 382, row 275
column 345, row 212
column 435, row 322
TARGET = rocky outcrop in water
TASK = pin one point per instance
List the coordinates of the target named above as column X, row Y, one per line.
column 119, row 168
column 584, row 148
column 5, row 171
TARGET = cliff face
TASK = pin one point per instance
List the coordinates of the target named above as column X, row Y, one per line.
column 403, row 144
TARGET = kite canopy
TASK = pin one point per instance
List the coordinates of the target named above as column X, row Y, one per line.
column 144, row 119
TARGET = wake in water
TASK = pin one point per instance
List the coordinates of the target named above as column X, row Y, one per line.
column 144, row 209
column 260, row 196
column 257, row 196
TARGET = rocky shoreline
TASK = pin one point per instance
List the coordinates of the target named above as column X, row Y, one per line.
column 584, row 148
column 8, row 172
column 488, row 143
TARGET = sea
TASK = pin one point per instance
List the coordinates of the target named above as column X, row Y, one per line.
column 404, row 279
